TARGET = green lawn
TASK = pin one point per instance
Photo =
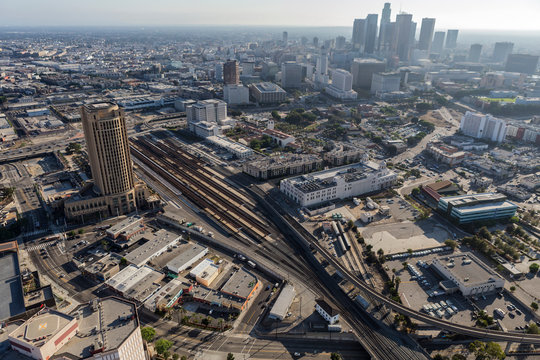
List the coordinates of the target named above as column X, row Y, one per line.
column 506, row 100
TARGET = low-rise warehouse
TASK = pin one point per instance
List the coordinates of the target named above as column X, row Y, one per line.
column 137, row 283
column 126, row 228
column 205, row 272
column 283, row 302
column 168, row 295
column 157, row 243
column 242, row 284
column 190, row 254
column 469, row 274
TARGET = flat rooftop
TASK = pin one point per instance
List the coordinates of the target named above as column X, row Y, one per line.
column 241, row 283
column 188, row 252
column 467, row 266
column 473, row 199
column 156, row 243
column 124, row 225
column 12, row 303
column 111, row 322
column 268, row 87
column 45, row 324
column 326, row 178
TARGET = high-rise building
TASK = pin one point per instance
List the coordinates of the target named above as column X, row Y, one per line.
column 218, row 72
column 502, row 50
column 321, row 69
column 438, row 42
column 402, row 42
column 285, row 38
column 385, row 82
column 385, row 19
column 291, row 75
column 340, row 42
column 474, row 53
column 521, row 63
column 315, row 41
column 371, row 33
column 483, row 126
column 359, row 34
column 107, row 146
column 426, row 34
column 363, row 69
column 231, row 73
column 341, row 86
column 451, row 39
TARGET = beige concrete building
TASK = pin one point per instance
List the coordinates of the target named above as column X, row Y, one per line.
column 114, row 191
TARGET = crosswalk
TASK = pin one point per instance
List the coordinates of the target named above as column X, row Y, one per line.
column 40, row 246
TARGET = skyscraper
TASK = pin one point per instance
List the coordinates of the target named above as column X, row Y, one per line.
column 426, row 34
column 359, row 34
column 371, row 33
column 385, row 19
column 438, row 42
column 285, row 37
column 474, row 53
column 521, row 63
column 315, row 41
column 502, row 50
column 321, row 69
column 231, row 73
column 340, row 42
column 291, row 75
column 401, row 44
column 107, row 145
column 451, row 39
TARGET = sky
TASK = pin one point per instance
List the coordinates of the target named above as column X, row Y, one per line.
column 459, row 14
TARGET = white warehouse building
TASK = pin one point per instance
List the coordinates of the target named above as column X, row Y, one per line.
column 469, row 274
column 338, row 183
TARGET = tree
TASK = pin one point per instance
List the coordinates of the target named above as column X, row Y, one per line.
column 184, row 357
column 534, row 306
column 459, row 357
column 512, row 288
column 494, row 351
column 440, row 357
column 275, row 115
column 162, row 345
column 452, row 243
column 81, row 231
column 175, row 356
column 533, row 329
column 166, row 354
column 123, row 261
column 415, row 191
column 410, row 251
column 335, row 356
column 148, row 333
column 205, row 321
column 534, row 267
column 230, row 356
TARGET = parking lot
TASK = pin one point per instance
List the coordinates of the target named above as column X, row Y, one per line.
column 419, row 280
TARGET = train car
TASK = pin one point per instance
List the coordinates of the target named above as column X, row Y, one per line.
column 340, row 227
column 346, row 241
column 335, row 228
column 341, row 244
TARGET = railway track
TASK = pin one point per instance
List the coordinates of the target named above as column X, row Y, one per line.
column 442, row 324
column 200, row 187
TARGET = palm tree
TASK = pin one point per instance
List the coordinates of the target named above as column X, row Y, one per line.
column 220, row 323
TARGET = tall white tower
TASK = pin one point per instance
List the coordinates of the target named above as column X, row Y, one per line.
column 321, row 77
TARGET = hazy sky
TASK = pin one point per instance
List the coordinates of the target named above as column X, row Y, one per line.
column 461, row 14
